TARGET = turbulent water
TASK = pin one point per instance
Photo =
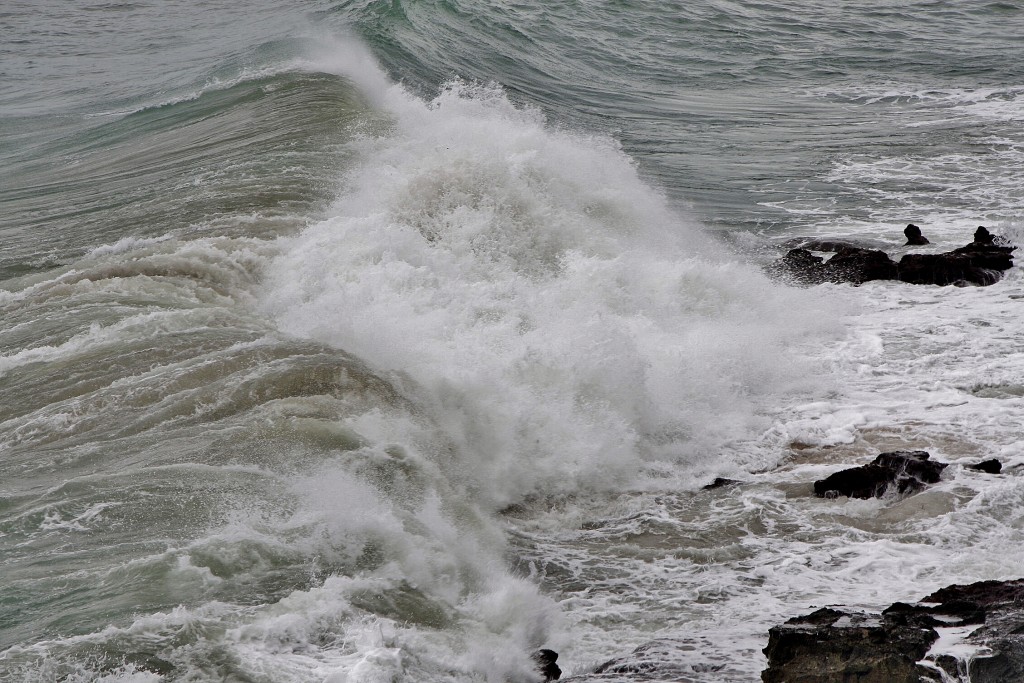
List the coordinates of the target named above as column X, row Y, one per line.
column 384, row 341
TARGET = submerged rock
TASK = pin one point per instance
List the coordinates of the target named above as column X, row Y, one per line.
column 719, row 482
column 907, row 471
column 835, row 644
column 832, row 245
column 992, row 466
column 663, row 660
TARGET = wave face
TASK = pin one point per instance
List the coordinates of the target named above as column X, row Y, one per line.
column 392, row 341
column 752, row 113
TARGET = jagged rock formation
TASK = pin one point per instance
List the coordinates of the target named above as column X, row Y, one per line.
column 902, row 471
column 545, row 661
column 906, row 471
column 914, row 236
column 836, row 645
column 982, row 262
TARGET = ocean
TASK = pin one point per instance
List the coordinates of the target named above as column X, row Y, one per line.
column 386, row 341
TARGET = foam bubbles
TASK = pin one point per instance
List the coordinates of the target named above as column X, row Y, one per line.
column 562, row 325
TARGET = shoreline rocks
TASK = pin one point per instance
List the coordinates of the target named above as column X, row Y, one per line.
column 545, row 661
column 900, row 644
column 906, row 471
column 963, row 633
column 914, row 236
column 959, row 634
column 982, row 263
column 838, row 645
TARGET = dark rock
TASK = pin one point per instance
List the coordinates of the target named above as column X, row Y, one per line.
column 914, row 236
column 981, row 593
column 850, row 264
column 964, row 266
column 962, row 613
column 983, row 236
column 954, row 612
column 1002, row 629
column 916, row 465
column 990, row 256
column 981, row 262
column 834, row 646
column 545, row 660
column 867, row 481
column 859, row 266
column 719, row 482
column 830, row 245
column 908, row 471
column 799, row 266
column 1002, row 636
column 992, row 466
column 664, row 660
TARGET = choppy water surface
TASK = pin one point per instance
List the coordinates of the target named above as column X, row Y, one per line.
column 391, row 341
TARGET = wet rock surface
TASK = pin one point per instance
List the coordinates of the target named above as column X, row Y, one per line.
column 991, row 466
column 972, row 633
column 546, row 666
column 835, row 645
column 850, row 264
column 902, row 471
column 976, row 628
column 982, row 262
column 914, row 236
column 841, row 645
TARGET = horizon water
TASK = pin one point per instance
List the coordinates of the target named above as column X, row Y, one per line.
column 359, row 342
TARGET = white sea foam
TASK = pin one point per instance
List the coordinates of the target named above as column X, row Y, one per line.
column 55, row 520
column 126, row 244
column 558, row 329
column 563, row 324
column 555, row 329
column 546, row 332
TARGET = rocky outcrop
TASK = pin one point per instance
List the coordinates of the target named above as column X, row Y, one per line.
column 914, row 236
column 992, row 466
column 977, row 263
column 902, row 471
column 859, row 266
column 836, row 645
column 850, row 264
column 545, row 661
column 983, row 236
column 998, row 608
column 981, row 262
column 970, row 633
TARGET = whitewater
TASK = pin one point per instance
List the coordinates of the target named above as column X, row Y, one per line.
column 371, row 342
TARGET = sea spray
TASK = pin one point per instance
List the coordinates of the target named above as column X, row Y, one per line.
column 560, row 323
column 192, row 490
